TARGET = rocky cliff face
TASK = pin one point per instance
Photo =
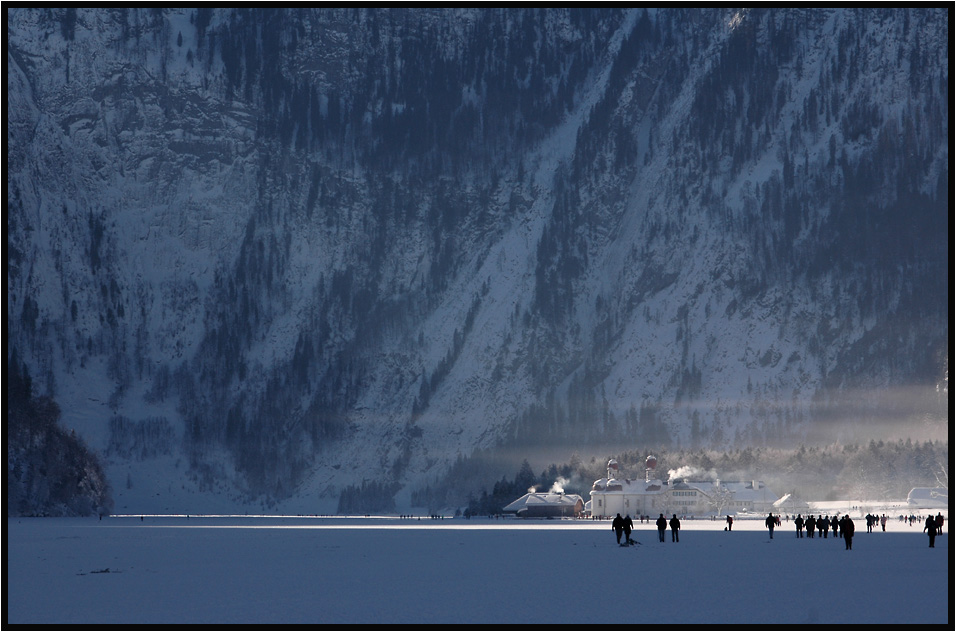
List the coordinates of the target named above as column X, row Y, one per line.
column 286, row 251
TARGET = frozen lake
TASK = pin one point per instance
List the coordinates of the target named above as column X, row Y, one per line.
column 322, row 571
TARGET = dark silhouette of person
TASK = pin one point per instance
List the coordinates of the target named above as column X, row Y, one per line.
column 730, row 523
column 628, row 527
column 847, row 528
column 939, row 522
column 661, row 526
column 799, row 522
column 825, row 525
column 618, row 525
column 675, row 529
column 931, row 529
column 835, row 525
column 771, row 522
column 811, row 525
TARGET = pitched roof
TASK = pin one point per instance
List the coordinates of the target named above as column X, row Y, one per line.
column 543, row 499
column 745, row 491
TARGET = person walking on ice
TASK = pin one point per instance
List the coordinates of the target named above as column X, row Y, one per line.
column 771, row 522
column 661, row 526
column 931, row 529
column 846, row 528
column 675, row 529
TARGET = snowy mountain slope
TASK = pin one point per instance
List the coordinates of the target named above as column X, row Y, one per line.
column 327, row 247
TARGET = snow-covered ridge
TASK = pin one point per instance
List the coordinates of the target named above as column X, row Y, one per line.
column 331, row 247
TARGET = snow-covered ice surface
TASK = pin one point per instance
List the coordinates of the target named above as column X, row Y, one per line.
column 339, row 571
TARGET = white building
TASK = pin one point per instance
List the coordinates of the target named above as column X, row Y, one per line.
column 618, row 494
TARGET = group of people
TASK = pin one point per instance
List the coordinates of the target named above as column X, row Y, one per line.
column 820, row 524
column 623, row 526
column 823, row 524
column 938, row 520
column 917, row 519
column 872, row 521
column 662, row 526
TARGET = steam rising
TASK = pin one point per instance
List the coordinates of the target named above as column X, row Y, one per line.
column 558, row 486
column 690, row 472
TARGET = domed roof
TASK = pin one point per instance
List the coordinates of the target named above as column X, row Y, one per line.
column 614, row 485
column 598, row 485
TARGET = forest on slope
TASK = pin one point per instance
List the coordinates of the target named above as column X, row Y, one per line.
column 299, row 246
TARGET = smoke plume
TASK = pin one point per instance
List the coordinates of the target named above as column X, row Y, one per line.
column 690, row 472
column 558, row 486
